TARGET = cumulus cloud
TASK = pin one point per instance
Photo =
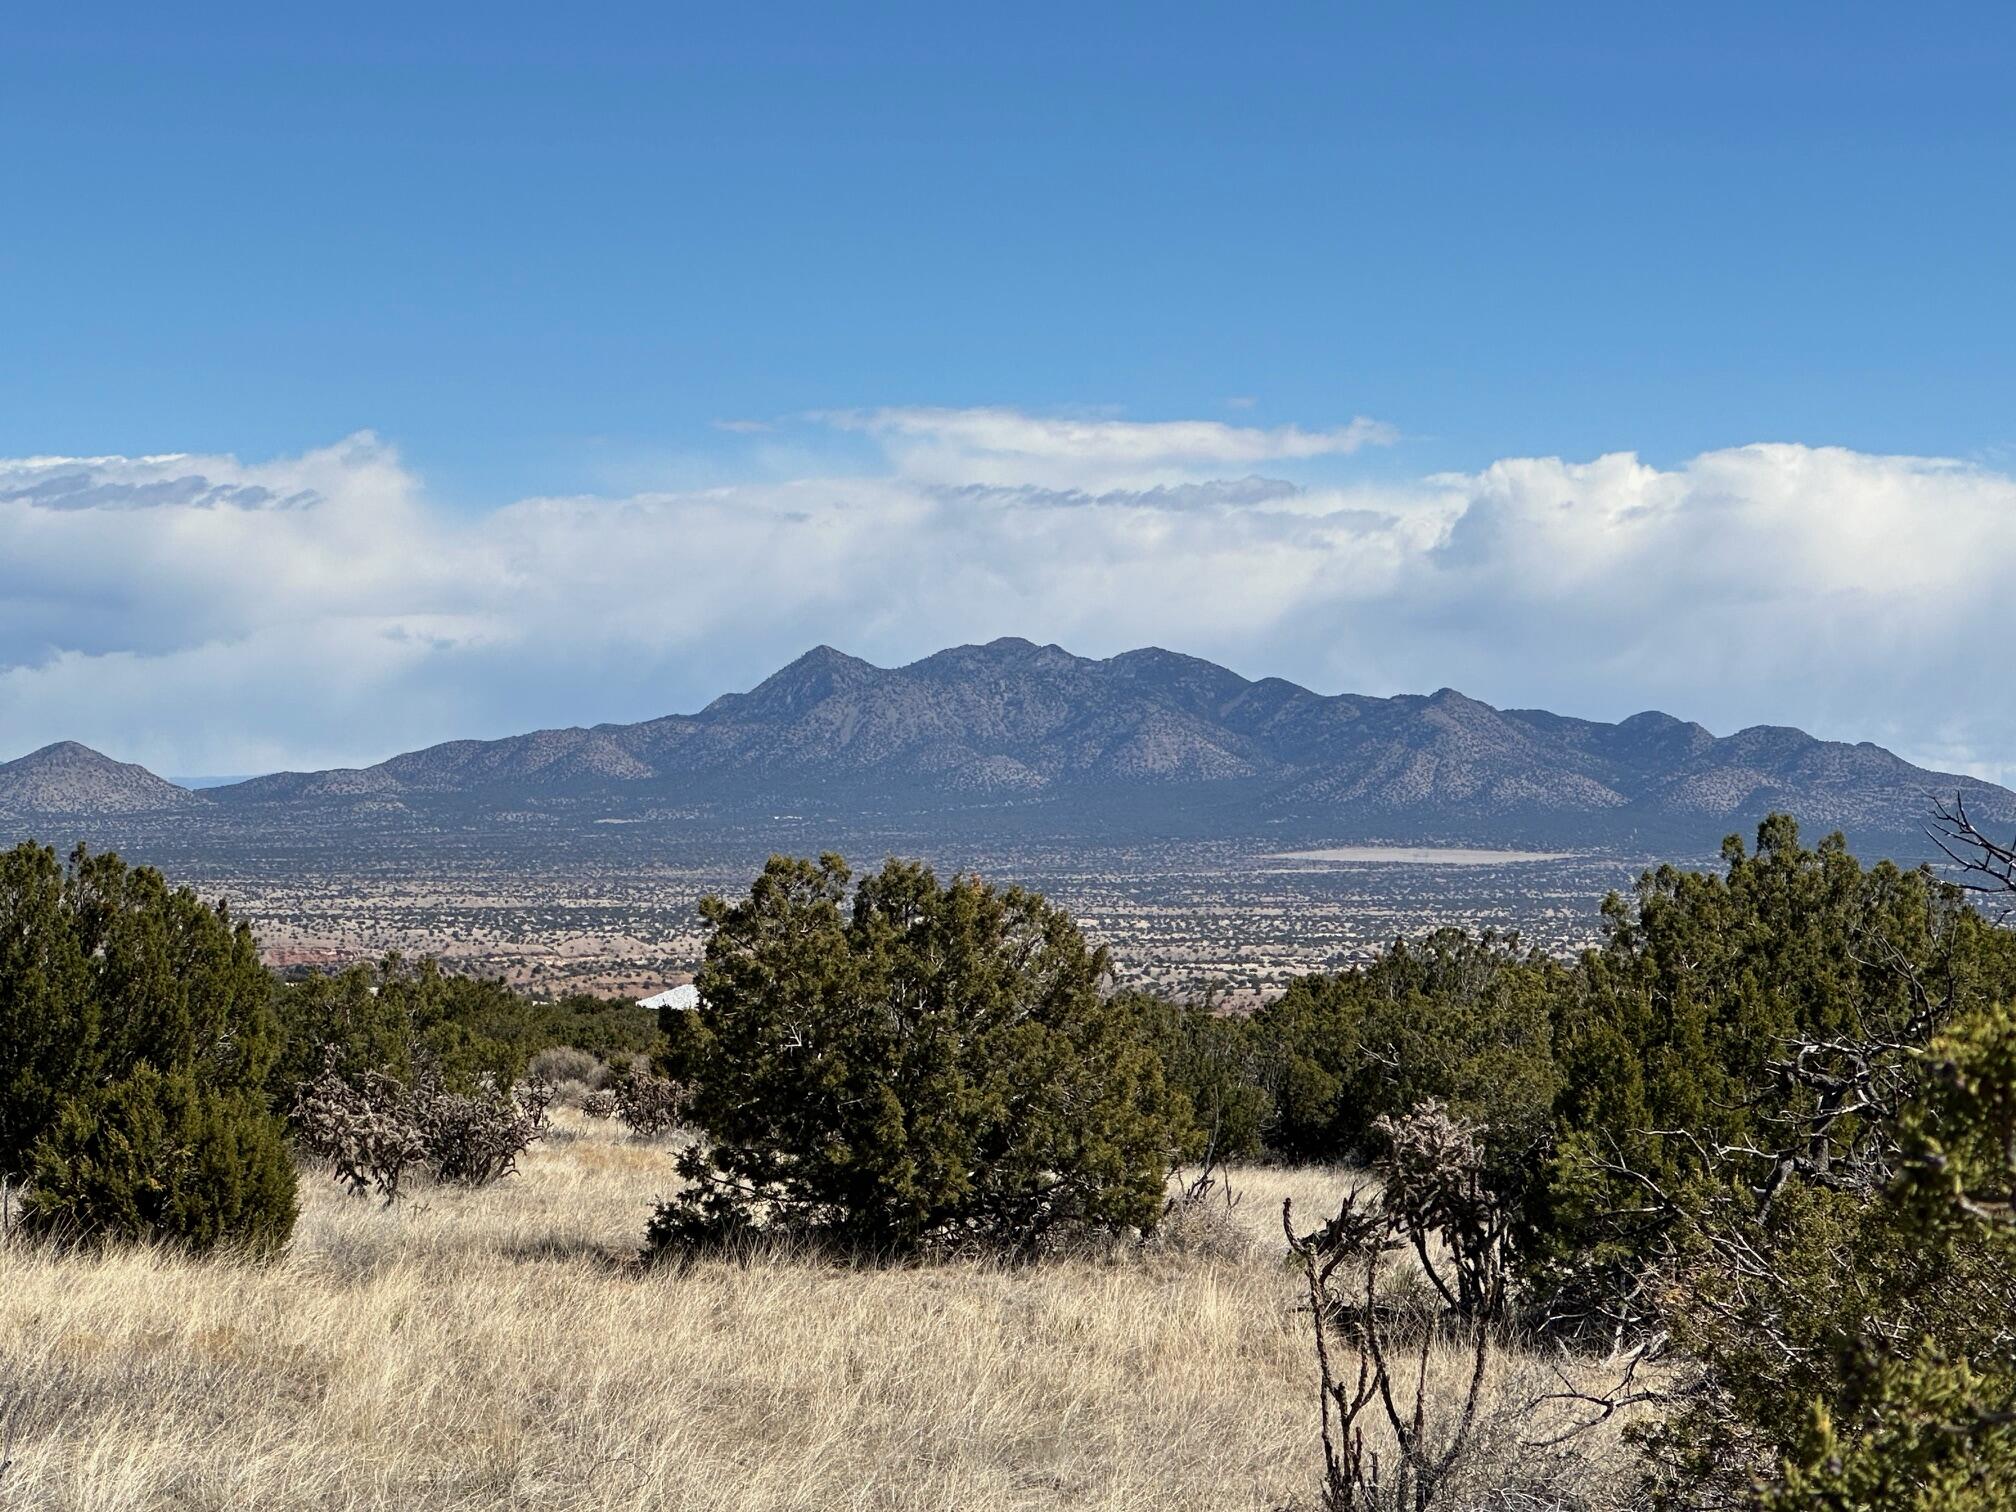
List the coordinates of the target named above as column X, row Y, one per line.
column 206, row 614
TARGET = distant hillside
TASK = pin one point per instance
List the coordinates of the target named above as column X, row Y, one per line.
column 1152, row 741
column 68, row 778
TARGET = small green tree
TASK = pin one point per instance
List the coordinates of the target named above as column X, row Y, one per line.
column 403, row 1019
column 1459, row 1018
column 936, row 1066
column 1849, row 1333
column 1207, row 1058
column 1729, row 1012
column 1934, row 1436
column 136, row 1035
column 48, row 1011
column 1309, row 1057
column 159, row 1157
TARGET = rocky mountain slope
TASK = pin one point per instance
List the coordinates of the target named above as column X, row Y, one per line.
column 1012, row 737
column 1018, row 729
column 68, row 778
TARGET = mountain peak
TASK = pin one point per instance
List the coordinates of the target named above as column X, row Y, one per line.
column 1189, row 682
column 1160, row 660
column 1005, row 655
column 1449, row 701
column 70, row 778
column 811, row 679
column 821, row 661
column 63, row 752
column 823, row 655
column 1015, row 650
column 66, row 755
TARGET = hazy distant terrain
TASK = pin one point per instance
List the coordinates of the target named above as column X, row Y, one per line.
column 1203, row 823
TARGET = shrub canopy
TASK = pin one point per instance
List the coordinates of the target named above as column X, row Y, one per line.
column 1679, row 1033
column 137, row 1032
column 406, row 1019
column 936, row 1064
column 1458, row 1018
column 162, row 1157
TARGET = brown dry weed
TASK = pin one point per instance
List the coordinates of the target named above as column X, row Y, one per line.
column 501, row 1348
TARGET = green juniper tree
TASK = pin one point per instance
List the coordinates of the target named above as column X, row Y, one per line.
column 1208, row 1059
column 136, row 1034
column 403, row 1018
column 1728, row 1013
column 1848, row 1338
column 936, row 1064
column 1462, row 1019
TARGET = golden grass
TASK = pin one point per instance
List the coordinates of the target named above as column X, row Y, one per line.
column 499, row 1349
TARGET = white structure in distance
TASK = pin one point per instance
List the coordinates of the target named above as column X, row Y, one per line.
column 682, row 999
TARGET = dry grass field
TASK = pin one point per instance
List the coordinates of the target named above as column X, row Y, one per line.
column 502, row 1349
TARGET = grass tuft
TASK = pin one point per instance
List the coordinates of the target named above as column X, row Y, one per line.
column 500, row 1348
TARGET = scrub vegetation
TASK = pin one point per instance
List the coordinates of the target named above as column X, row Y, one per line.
column 914, row 1209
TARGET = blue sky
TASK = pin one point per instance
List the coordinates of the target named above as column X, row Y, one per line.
column 534, row 244
column 548, row 251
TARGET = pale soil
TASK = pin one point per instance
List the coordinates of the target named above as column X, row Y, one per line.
column 502, row 1349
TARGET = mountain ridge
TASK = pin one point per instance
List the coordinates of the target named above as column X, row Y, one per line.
column 1014, row 727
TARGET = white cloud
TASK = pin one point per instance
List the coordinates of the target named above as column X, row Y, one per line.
column 205, row 614
column 1009, row 446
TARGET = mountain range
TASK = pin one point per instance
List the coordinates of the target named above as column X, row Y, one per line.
column 1020, row 736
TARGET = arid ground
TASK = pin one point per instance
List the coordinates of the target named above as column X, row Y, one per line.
column 503, row 1348
column 1176, row 918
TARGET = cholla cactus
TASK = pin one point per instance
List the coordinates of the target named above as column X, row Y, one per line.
column 473, row 1141
column 649, row 1105
column 534, row 1096
column 599, row 1105
column 1432, row 1157
column 362, row 1130
column 372, row 1131
column 1432, row 1201
column 1434, row 1192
